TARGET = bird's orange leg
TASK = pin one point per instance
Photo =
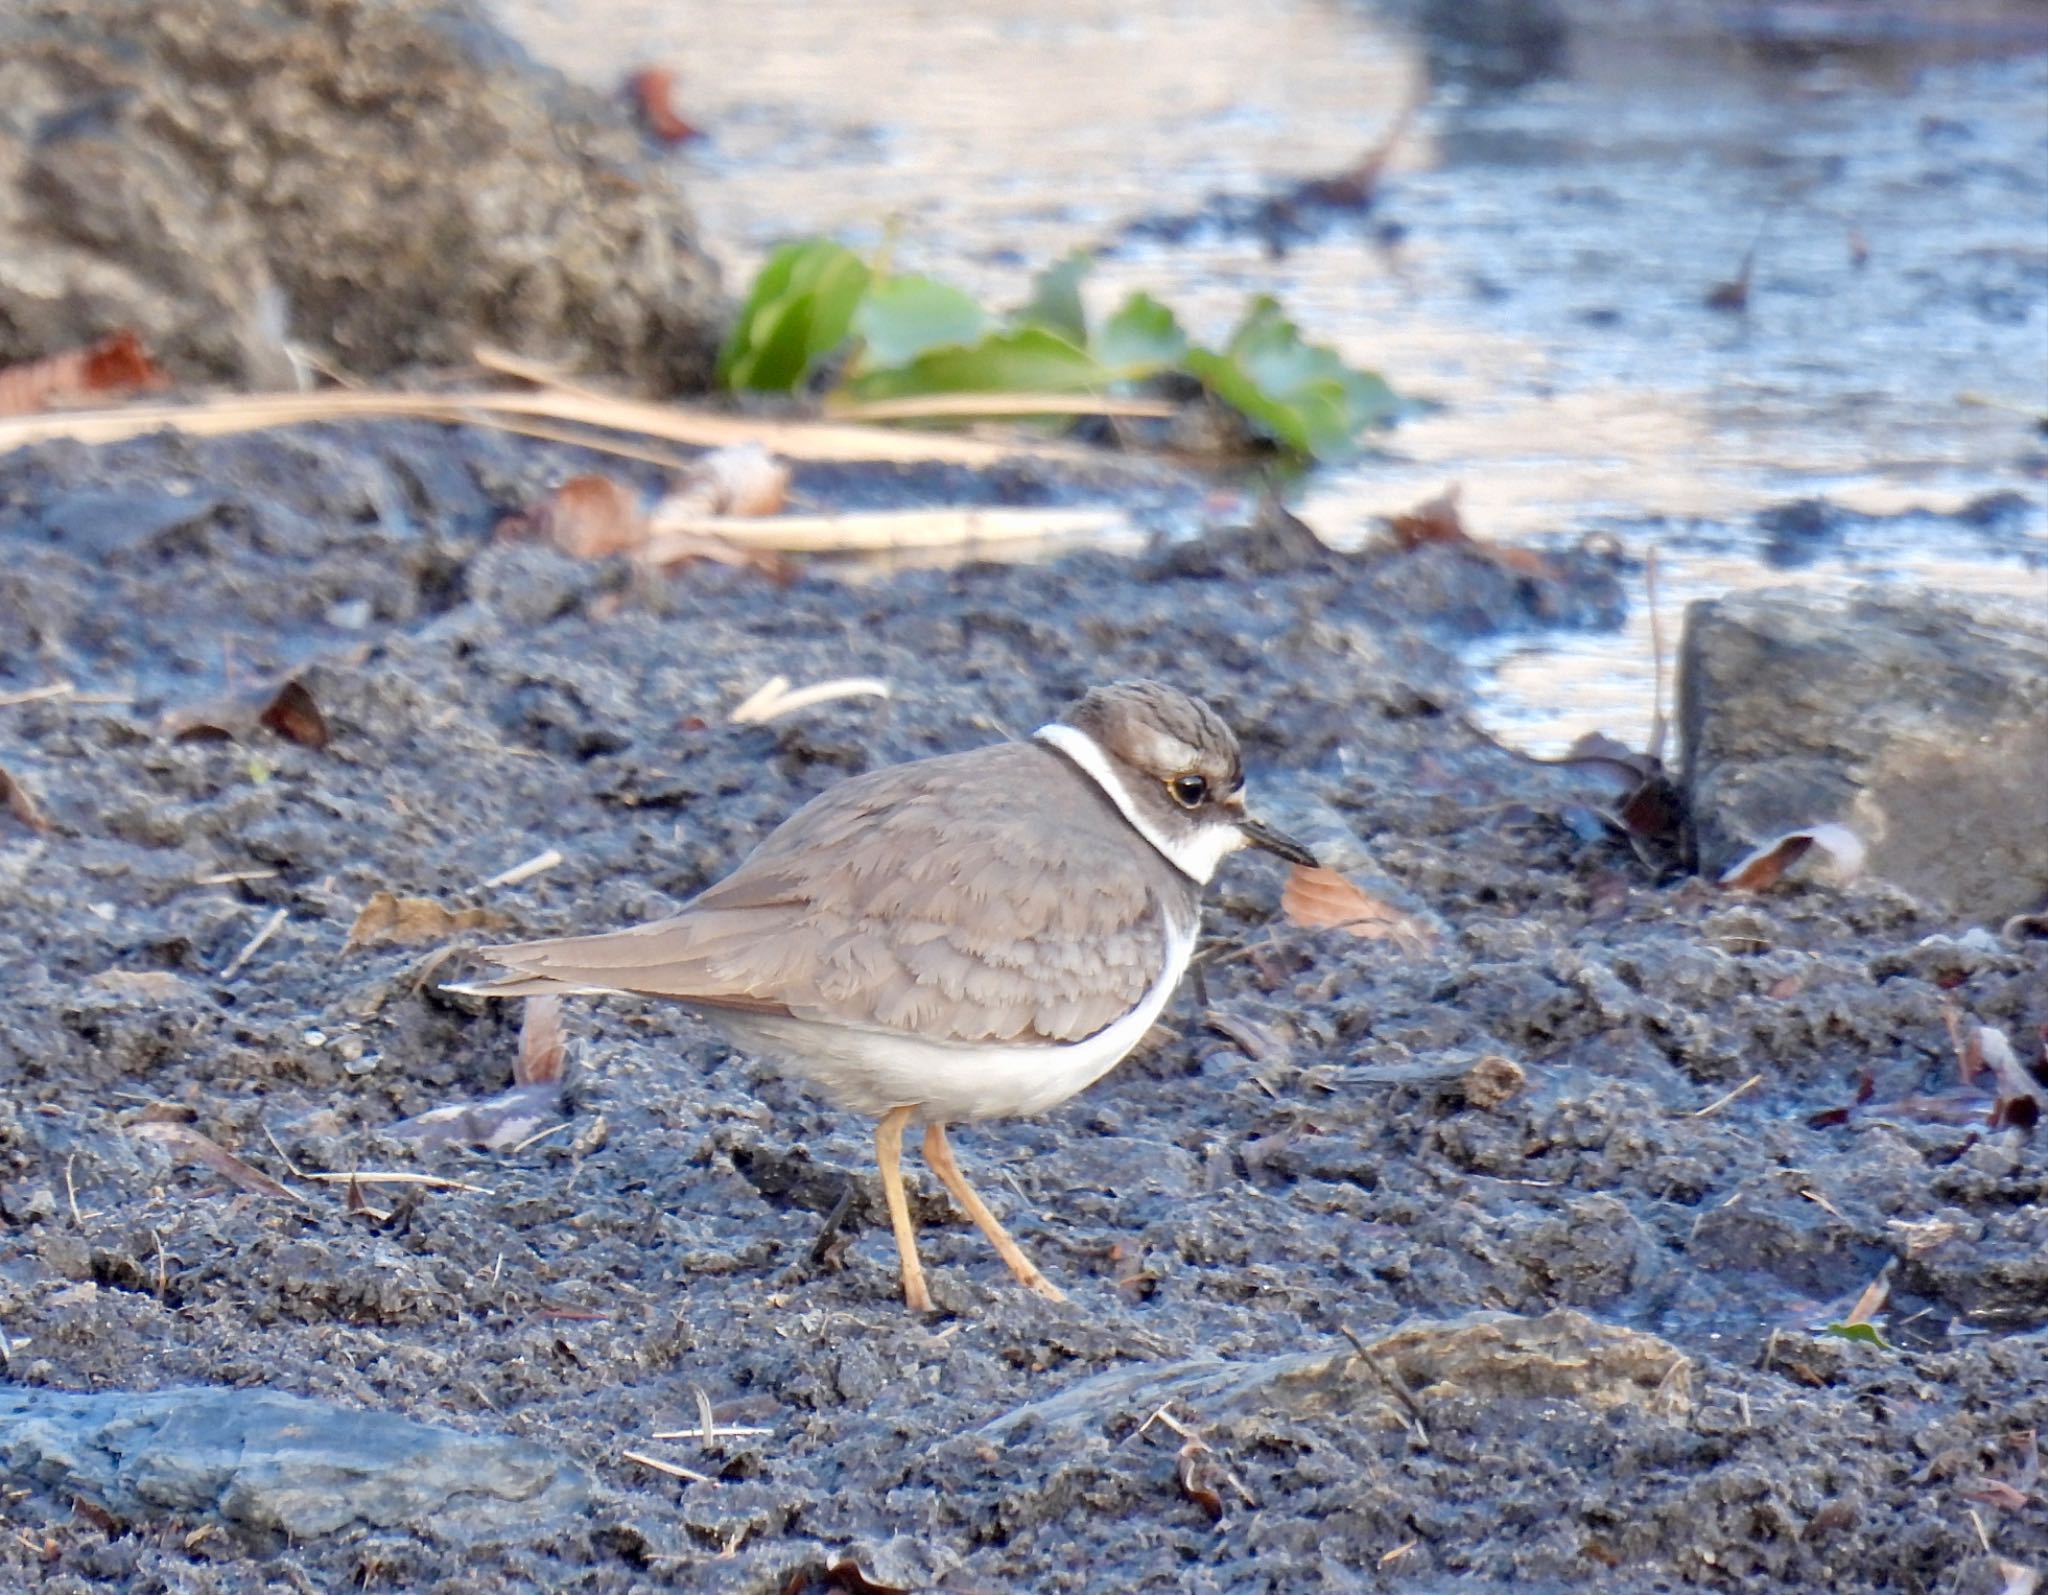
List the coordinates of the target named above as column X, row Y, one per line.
column 938, row 1152
column 889, row 1154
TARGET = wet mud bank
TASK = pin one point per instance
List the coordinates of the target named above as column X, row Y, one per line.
column 1588, row 1179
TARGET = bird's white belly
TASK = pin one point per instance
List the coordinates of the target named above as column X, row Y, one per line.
column 872, row 1071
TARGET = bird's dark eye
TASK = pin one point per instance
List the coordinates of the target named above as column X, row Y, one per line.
column 1189, row 790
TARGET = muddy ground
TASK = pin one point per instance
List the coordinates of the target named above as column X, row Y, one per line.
column 1310, row 1154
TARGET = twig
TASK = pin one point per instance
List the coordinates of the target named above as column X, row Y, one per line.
column 674, row 1470
column 539, row 864
column 271, row 926
column 1722, row 1102
column 876, row 531
column 56, row 689
column 807, row 440
column 536, row 1138
column 775, row 697
column 438, row 1182
column 1400, row 1391
column 1656, row 749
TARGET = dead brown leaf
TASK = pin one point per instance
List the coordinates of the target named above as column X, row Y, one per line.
column 1839, row 848
column 288, row 710
column 116, row 365
column 1191, row 1472
column 293, row 715
column 589, row 516
column 387, row 917
column 652, row 89
column 542, row 1051
column 189, row 1144
column 2017, row 1096
column 15, row 799
column 1996, row 1492
column 1872, row 1300
column 95, row 1514
column 1321, row 899
column 1438, row 520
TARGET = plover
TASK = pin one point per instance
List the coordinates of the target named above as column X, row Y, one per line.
column 967, row 937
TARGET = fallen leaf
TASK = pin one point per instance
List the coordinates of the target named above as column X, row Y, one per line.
column 387, row 917
column 355, row 1203
column 589, row 516
column 1996, row 1492
column 1321, row 899
column 116, row 365
column 95, row 1514
column 194, row 1147
column 1840, row 848
column 2019, row 1096
column 1438, row 520
column 293, row 715
column 15, row 799
column 1866, row 1333
column 542, row 1051
column 1191, row 1474
column 1872, row 1300
column 653, row 91
column 287, row 710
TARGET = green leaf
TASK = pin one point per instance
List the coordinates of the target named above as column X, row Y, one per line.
column 1023, row 360
column 1055, row 302
column 798, row 312
column 1301, row 394
column 1142, row 338
column 1867, row 1333
column 902, row 317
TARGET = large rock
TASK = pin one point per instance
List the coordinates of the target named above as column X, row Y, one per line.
column 1920, row 725
column 388, row 181
column 272, row 1462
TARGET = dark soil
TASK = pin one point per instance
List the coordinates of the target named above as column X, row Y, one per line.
column 1318, row 1150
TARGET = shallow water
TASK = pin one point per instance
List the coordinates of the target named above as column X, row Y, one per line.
column 1577, row 184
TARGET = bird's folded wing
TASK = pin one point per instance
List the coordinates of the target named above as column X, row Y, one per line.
column 903, row 902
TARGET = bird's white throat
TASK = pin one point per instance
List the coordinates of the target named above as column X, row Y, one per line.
column 1196, row 854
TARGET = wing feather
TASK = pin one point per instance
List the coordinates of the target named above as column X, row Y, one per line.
column 926, row 898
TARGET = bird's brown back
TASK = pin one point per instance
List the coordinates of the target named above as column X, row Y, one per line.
column 994, row 896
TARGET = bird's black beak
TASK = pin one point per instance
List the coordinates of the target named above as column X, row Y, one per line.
column 1272, row 841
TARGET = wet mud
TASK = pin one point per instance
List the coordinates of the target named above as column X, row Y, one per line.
column 1588, row 1179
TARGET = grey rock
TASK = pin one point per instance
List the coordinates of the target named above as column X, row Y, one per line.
column 264, row 1460
column 390, row 181
column 1921, row 725
column 1484, row 1357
